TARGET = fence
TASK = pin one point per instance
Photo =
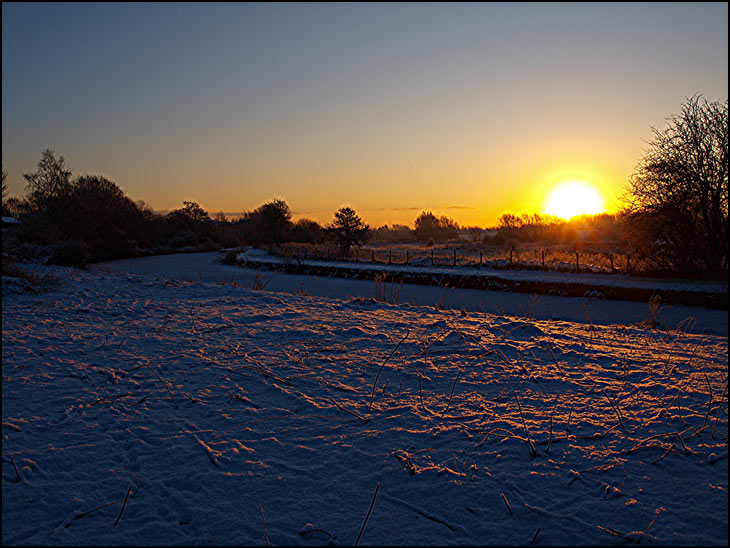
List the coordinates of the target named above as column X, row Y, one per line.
column 564, row 260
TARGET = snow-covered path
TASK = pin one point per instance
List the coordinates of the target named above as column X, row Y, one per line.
column 206, row 405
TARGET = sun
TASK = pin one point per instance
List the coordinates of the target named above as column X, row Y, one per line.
column 571, row 198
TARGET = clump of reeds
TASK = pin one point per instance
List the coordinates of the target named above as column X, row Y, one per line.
column 384, row 293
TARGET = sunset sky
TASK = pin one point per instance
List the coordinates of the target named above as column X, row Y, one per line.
column 469, row 110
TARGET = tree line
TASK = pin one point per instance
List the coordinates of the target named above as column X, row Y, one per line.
column 89, row 218
column 674, row 215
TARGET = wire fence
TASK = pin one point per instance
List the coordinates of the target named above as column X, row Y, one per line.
column 533, row 258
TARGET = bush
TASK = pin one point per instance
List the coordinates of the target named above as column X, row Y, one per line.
column 428, row 226
column 70, row 253
column 395, row 233
column 307, row 231
column 498, row 239
column 231, row 257
column 27, row 280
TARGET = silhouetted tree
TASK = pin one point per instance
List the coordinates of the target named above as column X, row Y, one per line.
column 395, row 233
column 509, row 222
column 307, row 231
column 191, row 212
column 269, row 223
column 5, row 189
column 276, row 220
column 348, row 229
column 427, row 226
column 16, row 207
column 99, row 214
column 676, row 203
column 51, row 181
column 189, row 227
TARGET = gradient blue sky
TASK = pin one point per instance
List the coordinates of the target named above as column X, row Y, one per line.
column 470, row 110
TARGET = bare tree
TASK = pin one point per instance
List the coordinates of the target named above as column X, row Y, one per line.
column 676, row 202
column 51, row 181
column 5, row 189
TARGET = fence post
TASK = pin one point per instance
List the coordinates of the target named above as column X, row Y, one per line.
column 510, row 256
column 432, row 257
column 454, row 257
column 407, row 257
column 543, row 259
column 577, row 263
column 480, row 259
column 628, row 263
column 610, row 258
column 372, row 257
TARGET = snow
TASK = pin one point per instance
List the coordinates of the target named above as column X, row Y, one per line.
column 204, row 267
column 209, row 407
column 254, row 255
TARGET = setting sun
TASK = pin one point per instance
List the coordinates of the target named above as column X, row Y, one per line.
column 572, row 198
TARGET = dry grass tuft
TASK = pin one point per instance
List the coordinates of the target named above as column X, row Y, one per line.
column 34, row 281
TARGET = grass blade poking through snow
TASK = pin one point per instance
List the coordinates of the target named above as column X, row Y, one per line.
column 164, row 383
column 266, row 530
column 124, row 505
column 372, row 395
column 615, row 410
column 363, row 419
column 372, row 503
column 17, row 474
column 527, row 432
column 509, row 509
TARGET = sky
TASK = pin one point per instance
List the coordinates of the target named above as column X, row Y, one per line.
column 467, row 110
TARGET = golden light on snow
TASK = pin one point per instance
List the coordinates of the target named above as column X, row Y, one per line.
column 571, row 198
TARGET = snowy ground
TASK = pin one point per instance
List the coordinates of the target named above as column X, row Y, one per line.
column 208, row 406
column 204, row 267
column 423, row 266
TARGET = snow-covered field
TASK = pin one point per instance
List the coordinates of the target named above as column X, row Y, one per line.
column 141, row 408
column 204, row 267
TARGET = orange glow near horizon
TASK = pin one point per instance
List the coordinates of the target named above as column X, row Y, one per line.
column 572, row 198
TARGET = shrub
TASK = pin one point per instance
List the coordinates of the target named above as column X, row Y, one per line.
column 439, row 228
column 230, row 258
column 70, row 253
column 307, row 231
column 34, row 281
